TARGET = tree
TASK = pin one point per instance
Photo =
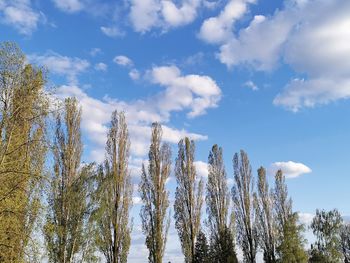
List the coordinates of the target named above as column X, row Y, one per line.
column 265, row 218
column 222, row 250
column 188, row 198
column 218, row 203
column 290, row 242
column 114, row 194
column 345, row 241
column 242, row 194
column 201, row 254
column 70, row 187
column 291, row 247
column 23, row 147
column 155, row 197
column 326, row 226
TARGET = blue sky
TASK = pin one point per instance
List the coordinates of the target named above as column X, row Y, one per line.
column 269, row 77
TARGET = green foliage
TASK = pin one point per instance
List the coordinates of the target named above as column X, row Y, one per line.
column 23, row 111
column 202, row 249
column 291, row 248
column 326, row 226
column 222, row 249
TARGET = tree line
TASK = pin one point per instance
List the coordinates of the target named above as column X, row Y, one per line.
column 82, row 212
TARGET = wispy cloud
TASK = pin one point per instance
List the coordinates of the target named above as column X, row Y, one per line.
column 69, row 67
column 21, row 15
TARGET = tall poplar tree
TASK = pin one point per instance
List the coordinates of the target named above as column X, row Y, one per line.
column 188, row 198
column 68, row 197
column 242, row 193
column 114, row 194
column 218, row 207
column 23, row 110
column 265, row 218
column 155, row 197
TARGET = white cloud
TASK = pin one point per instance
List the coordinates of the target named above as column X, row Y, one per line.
column 140, row 114
column 144, row 14
column 123, row 61
column 134, row 74
column 69, row 6
column 147, row 14
column 201, row 169
column 20, row 15
column 290, row 169
column 198, row 93
column 320, row 49
column 177, row 16
column 219, row 29
column 112, row 31
column 70, row 67
column 311, row 37
column 251, row 85
column 101, row 66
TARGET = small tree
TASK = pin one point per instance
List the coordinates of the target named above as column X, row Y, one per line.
column 290, row 242
column 326, row 226
column 201, row 254
column 345, row 241
column 222, row 250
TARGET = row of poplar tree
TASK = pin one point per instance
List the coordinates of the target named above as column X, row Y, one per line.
column 81, row 212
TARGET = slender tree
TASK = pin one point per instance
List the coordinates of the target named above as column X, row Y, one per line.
column 23, row 109
column 218, row 203
column 326, row 226
column 155, row 197
column 114, row 194
column 188, row 198
column 289, row 239
column 242, row 193
column 265, row 217
column 68, row 197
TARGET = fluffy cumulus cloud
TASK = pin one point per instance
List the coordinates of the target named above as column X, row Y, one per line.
column 290, row 169
column 312, row 37
column 195, row 92
column 147, row 14
column 69, row 67
column 218, row 29
column 21, row 15
column 141, row 113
